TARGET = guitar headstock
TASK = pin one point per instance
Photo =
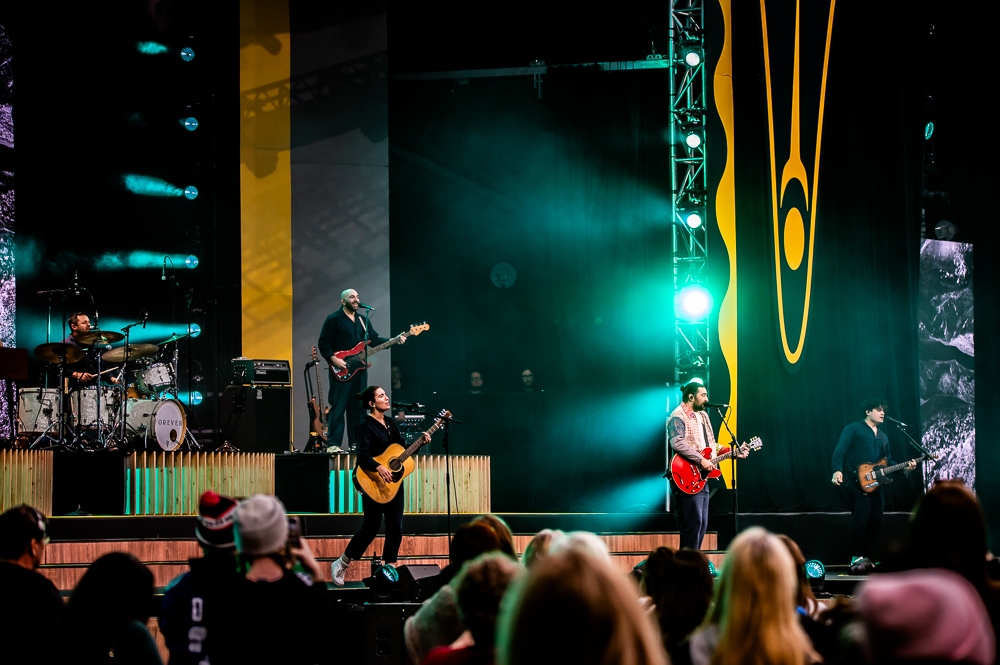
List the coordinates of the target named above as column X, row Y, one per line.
column 313, row 353
column 754, row 443
column 445, row 413
column 418, row 328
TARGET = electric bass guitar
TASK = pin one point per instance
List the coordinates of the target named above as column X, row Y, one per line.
column 355, row 357
column 317, row 412
column 869, row 477
column 397, row 459
column 691, row 478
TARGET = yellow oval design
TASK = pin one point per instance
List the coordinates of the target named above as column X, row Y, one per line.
column 795, row 238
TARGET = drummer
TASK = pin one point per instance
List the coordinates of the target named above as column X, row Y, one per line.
column 83, row 372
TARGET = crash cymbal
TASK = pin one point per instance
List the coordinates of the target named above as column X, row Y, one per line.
column 174, row 337
column 135, row 352
column 51, row 352
column 99, row 336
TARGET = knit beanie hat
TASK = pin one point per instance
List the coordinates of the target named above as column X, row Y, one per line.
column 215, row 520
column 261, row 525
column 929, row 614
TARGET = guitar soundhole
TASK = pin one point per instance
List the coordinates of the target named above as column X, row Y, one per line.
column 395, row 465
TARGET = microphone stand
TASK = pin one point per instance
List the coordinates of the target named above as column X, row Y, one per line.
column 913, row 442
column 446, row 442
column 736, row 445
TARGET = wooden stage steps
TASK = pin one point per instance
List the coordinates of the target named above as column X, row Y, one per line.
column 66, row 562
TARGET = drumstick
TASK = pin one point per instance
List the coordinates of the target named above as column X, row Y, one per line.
column 110, row 369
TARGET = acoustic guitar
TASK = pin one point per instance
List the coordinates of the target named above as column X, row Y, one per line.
column 397, row 459
column 355, row 356
column 691, row 478
column 869, row 477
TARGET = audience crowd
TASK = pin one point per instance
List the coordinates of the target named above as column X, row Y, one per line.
column 256, row 596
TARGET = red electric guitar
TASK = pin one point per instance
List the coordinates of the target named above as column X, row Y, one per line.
column 691, row 478
column 355, row 358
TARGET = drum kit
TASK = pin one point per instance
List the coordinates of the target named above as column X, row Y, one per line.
column 142, row 412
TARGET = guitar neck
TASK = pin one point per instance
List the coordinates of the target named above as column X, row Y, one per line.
column 415, row 446
column 897, row 467
column 386, row 345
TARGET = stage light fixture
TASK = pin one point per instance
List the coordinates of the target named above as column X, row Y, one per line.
column 712, row 570
column 692, row 139
column 194, row 329
column 191, row 192
column 692, row 219
column 692, row 57
column 945, row 230
column 193, row 398
column 928, row 131
column 190, row 123
column 815, row 570
column 151, row 48
column 191, row 261
column 187, row 54
column 693, row 303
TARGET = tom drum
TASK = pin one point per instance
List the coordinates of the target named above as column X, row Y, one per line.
column 37, row 408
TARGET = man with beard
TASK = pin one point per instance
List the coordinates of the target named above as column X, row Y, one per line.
column 341, row 331
column 689, row 432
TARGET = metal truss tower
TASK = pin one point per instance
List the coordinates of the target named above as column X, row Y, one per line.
column 689, row 189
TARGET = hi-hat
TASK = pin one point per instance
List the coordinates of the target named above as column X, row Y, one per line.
column 55, row 351
column 135, row 351
column 174, row 337
column 99, row 337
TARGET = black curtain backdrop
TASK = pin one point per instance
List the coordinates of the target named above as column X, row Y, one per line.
column 861, row 336
column 572, row 190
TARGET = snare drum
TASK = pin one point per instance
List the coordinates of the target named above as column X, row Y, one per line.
column 83, row 404
column 155, row 379
column 37, row 408
column 162, row 420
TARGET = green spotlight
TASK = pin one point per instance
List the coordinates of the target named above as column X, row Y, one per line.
column 190, row 123
column 692, row 140
column 191, row 192
column 693, row 303
column 191, row 261
column 151, row 48
column 928, row 131
column 815, row 570
column 187, row 54
column 194, row 329
column 712, row 570
column 145, row 185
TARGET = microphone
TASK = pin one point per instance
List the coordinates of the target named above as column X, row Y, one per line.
column 76, row 286
column 414, row 406
column 144, row 315
column 368, row 307
column 898, row 422
column 709, row 405
column 163, row 275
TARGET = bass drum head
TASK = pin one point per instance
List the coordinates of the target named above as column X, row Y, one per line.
column 160, row 420
column 169, row 424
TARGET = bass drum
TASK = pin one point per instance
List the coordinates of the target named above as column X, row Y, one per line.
column 37, row 408
column 160, row 420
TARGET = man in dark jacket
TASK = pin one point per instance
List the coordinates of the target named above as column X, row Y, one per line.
column 862, row 442
column 31, row 603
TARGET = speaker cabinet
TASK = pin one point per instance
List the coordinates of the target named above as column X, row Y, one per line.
column 384, row 632
column 257, row 419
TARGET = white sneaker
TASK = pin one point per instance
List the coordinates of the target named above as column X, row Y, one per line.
column 339, row 571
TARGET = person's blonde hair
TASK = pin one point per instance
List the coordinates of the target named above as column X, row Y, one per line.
column 573, row 607
column 755, row 605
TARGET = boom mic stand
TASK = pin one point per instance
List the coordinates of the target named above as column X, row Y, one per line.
column 736, row 445
column 446, row 442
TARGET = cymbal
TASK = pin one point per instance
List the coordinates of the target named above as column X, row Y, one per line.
column 102, row 336
column 51, row 352
column 135, row 352
column 174, row 337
